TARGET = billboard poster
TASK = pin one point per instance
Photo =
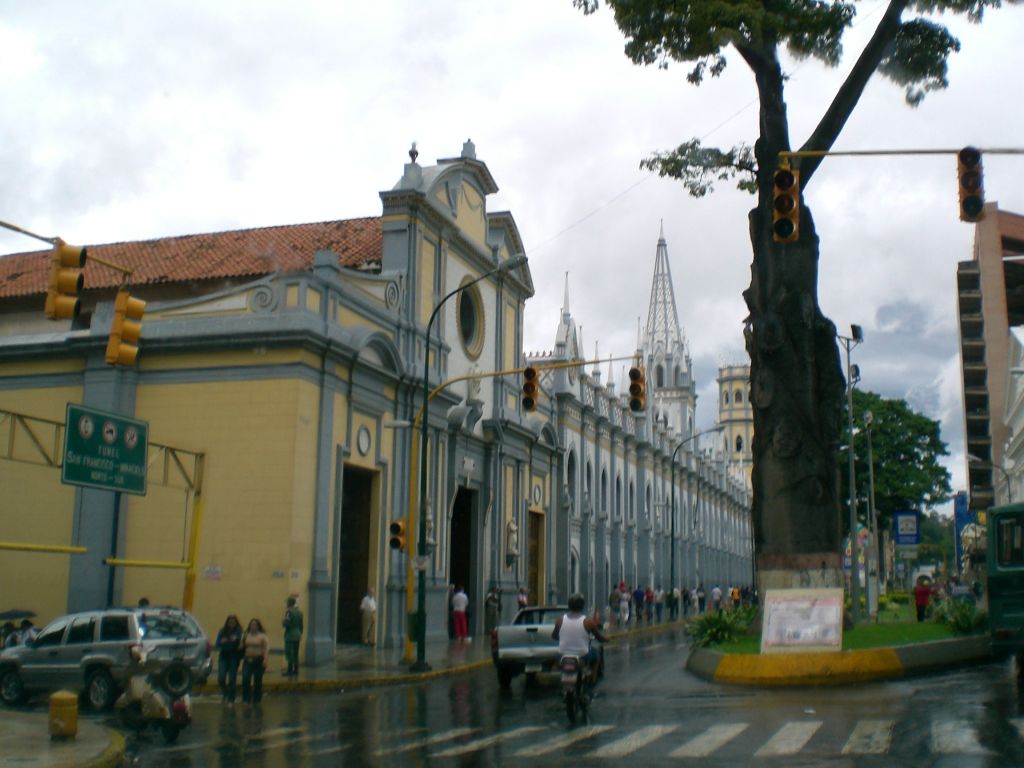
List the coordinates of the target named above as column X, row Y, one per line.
column 961, row 517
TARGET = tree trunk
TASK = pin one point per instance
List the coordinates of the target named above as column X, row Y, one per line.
column 797, row 391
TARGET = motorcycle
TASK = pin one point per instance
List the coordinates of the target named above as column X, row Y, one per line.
column 577, row 686
column 160, row 701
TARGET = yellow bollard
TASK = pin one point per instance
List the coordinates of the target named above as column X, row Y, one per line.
column 63, row 715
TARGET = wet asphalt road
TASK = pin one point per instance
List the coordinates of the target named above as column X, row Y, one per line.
column 648, row 709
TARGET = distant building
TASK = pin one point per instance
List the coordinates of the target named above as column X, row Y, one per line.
column 736, row 415
column 990, row 292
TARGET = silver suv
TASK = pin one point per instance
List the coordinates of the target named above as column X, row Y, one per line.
column 96, row 652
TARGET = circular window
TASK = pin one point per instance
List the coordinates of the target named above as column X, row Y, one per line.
column 471, row 321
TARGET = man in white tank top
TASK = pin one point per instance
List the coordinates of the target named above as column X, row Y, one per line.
column 573, row 631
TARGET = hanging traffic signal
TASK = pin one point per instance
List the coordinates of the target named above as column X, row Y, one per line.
column 397, row 529
column 786, row 205
column 122, row 345
column 66, row 281
column 529, row 388
column 637, row 389
column 972, row 190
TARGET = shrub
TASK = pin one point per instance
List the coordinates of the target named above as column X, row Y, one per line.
column 717, row 627
column 962, row 616
column 900, row 598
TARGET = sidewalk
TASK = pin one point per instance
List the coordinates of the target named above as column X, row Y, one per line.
column 25, row 741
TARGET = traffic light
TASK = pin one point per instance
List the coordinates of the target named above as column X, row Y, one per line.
column 529, row 388
column 786, row 205
column 972, row 191
column 122, row 347
column 66, row 281
column 637, row 389
column 397, row 529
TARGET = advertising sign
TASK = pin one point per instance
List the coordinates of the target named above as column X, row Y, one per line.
column 906, row 528
column 104, row 450
column 961, row 517
column 802, row 620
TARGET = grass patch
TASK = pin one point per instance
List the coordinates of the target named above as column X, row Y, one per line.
column 863, row 636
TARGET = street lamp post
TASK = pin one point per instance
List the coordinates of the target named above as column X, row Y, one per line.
column 421, row 536
column 872, row 558
column 672, row 559
column 852, row 374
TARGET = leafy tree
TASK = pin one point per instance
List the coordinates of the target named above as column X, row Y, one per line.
column 905, row 451
column 936, row 541
column 797, row 383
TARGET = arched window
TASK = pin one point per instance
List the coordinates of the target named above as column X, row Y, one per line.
column 739, row 444
column 725, row 397
column 738, row 396
column 571, row 479
column 604, row 490
column 632, row 502
column 618, row 497
column 659, row 377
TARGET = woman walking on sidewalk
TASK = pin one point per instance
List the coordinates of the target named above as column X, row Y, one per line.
column 256, row 650
column 229, row 650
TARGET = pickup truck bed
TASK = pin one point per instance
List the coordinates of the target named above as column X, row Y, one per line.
column 526, row 644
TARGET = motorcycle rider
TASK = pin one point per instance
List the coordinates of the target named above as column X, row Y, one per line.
column 573, row 631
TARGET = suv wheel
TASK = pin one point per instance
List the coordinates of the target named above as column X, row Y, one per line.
column 176, row 679
column 99, row 689
column 12, row 689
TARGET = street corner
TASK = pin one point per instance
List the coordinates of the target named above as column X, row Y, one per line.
column 25, row 741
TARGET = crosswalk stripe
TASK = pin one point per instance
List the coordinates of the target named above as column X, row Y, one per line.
column 956, row 737
column 428, row 741
column 627, row 745
column 488, row 741
column 789, row 739
column 715, row 737
column 870, row 737
column 560, row 742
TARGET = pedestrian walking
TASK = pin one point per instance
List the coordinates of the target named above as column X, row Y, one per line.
column 368, row 615
column 701, row 598
column 649, row 604
column 922, row 594
column 255, row 654
column 613, row 608
column 716, row 598
column 292, row 624
column 492, row 609
column 659, row 603
column 638, row 604
column 623, row 603
column 522, row 598
column 459, row 605
column 229, row 656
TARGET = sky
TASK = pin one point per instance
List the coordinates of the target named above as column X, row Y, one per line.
column 123, row 121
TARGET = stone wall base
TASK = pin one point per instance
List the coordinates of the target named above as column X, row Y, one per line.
column 804, row 571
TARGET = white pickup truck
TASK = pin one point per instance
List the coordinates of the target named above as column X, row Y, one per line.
column 526, row 644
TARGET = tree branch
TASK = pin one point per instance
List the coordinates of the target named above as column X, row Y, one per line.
column 846, row 98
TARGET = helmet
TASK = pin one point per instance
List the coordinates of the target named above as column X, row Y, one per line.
column 576, row 602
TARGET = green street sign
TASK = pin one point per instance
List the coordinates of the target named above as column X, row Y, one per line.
column 104, row 450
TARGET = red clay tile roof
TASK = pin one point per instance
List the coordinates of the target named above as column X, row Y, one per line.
column 239, row 253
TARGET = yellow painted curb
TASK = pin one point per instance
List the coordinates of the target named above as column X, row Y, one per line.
column 112, row 756
column 786, row 669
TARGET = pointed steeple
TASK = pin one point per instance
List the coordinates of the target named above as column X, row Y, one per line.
column 663, row 329
column 565, row 301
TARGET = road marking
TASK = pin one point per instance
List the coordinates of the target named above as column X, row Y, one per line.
column 789, row 739
column 559, row 742
column 428, row 741
column 488, row 741
column 870, row 737
column 636, row 740
column 713, row 738
column 329, row 750
column 956, row 737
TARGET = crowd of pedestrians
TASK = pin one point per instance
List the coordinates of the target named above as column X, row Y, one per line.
column 250, row 650
column 11, row 635
column 647, row 605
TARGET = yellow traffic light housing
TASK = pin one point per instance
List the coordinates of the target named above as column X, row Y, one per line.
column 530, row 390
column 972, row 189
column 786, row 205
column 397, row 530
column 637, row 389
column 122, row 345
column 66, row 281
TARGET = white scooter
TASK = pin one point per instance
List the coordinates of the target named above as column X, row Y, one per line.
column 158, row 701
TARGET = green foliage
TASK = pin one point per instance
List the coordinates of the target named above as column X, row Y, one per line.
column 716, row 627
column 905, row 451
column 936, row 540
column 962, row 616
column 698, row 167
column 900, row 598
